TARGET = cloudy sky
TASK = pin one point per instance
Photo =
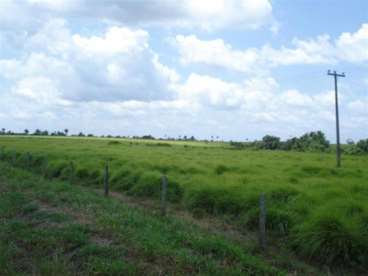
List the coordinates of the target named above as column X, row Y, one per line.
column 238, row 69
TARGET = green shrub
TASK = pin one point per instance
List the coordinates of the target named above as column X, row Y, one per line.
column 220, row 169
column 270, row 142
column 112, row 143
column 215, row 200
column 282, row 195
column 312, row 141
column 67, row 172
column 203, row 199
column 279, row 220
column 81, row 173
column 331, row 239
column 149, row 185
column 38, row 161
column 54, row 169
column 158, row 144
column 362, row 146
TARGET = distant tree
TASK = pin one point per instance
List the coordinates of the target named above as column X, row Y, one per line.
column 66, row 131
column 26, row 131
column 351, row 147
column 350, row 142
column 57, row 133
column 148, row 137
column 3, row 131
column 81, row 134
column 362, row 146
column 311, row 141
column 270, row 142
column 315, row 141
column 192, row 138
column 292, row 144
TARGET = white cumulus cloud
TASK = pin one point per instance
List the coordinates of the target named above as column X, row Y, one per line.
column 348, row 47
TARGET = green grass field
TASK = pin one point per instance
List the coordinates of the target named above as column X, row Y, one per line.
column 319, row 211
column 56, row 228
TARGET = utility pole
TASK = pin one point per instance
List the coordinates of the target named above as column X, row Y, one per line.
column 338, row 150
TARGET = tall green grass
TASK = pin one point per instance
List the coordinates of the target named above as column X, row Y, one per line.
column 323, row 211
column 50, row 227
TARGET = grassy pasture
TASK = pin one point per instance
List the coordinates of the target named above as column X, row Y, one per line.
column 51, row 227
column 322, row 211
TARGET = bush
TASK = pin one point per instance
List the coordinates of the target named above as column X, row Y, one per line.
column 237, row 145
column 149, row 185
column 112, row 143
column 125, row 178
column 279, row 221
column 158, row 144
column 221, row 169
column 283, row 195
column 329, row 238
column 362, row 146
column 215, row 200
column 54, row 169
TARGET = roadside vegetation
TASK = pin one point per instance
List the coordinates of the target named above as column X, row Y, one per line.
column 55, row 228
column 318, row 211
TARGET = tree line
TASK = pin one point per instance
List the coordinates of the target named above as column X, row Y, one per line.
column 65, row 132
column 314, row 141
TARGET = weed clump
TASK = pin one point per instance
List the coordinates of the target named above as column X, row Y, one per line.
column 283, row 195
column 221, row 169
column 158, row 144
column 149, row 185
column 112, row 143
column 214, row 200
column 331, row 239
column 55, row 169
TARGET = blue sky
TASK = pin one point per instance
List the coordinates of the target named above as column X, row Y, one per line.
column 237, row 69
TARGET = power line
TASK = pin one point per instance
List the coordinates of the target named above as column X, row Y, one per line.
column 338, row 150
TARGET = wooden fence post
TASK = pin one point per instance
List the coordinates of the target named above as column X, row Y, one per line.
column 163, row 195
column 262, row 222
column 106, row 179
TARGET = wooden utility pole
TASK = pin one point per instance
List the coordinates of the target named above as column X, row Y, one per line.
column 338, row 150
